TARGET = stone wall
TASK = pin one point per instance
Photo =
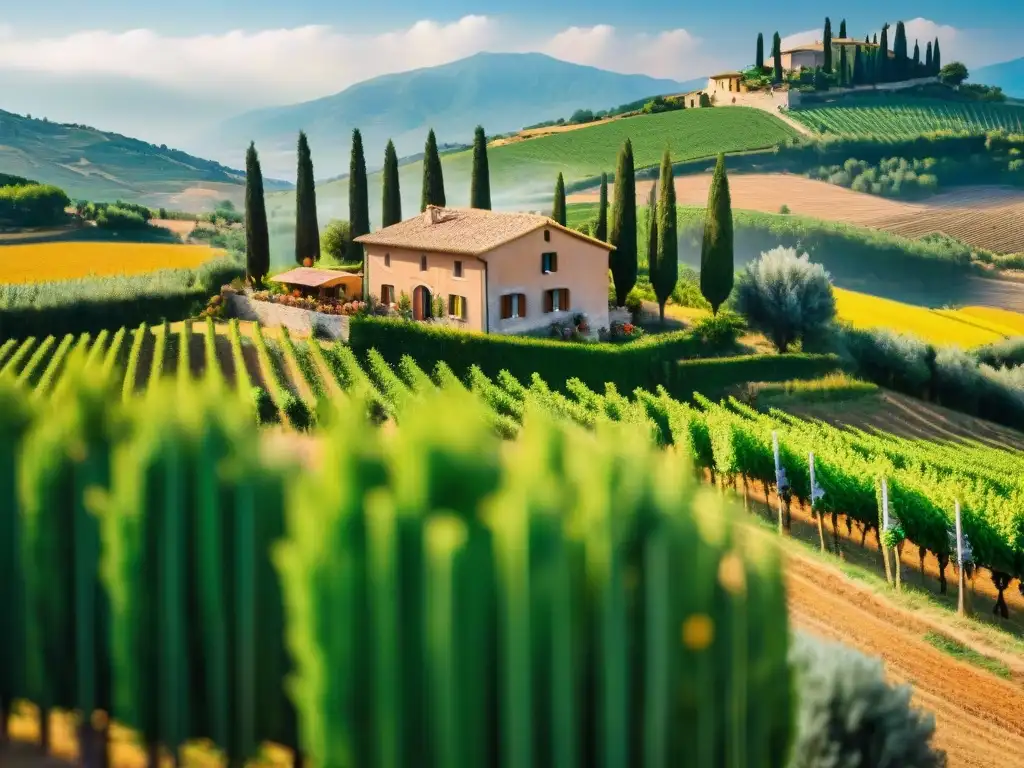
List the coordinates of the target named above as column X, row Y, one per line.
column 300, row 321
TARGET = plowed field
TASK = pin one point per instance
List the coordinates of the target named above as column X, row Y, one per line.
column 985, row 217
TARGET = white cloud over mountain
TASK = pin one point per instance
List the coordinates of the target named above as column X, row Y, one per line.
column 290, row 65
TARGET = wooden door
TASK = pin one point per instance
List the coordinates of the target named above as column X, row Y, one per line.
column 420, row 303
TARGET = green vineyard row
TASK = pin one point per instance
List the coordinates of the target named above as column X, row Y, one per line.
column 444, row 599
column 925, row 479
column 883, row 119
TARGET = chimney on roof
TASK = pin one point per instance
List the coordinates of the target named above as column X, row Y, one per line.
column 432, row 215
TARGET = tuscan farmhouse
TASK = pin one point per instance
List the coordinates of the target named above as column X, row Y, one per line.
column 812, row 55
column 495, row 272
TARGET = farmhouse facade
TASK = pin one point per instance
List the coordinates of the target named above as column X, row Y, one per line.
column 495, row 272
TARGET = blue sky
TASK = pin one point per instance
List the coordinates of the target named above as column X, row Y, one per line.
column 163, row 70
column 711, row 20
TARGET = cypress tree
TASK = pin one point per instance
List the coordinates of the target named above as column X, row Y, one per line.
column 916, row 69
column 433, row 179
column 759, row 55
column 928, row 58
column 257, row 236
column 391, row 203
column 900, row 50
column 716, row 253
column 307, row 232
column 936, row 58
column 844, row 73
column 358, row 196
column 842, row 29
column 777, row 57
column 480, row 185
column 882, row 62
column 867, row 39
column 601, row 233
column 623, row 234
column 665, row 275
column 826, row 42
column 875, row 41
column 858, row 66
column 652, row 231
column 558, row 207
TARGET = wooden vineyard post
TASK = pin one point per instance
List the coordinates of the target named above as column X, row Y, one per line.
column 817, row 493
column 961, row 586
column 885, row 527
column 780, row 479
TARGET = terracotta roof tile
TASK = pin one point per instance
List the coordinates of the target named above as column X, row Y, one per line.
column 311, row 277
column 467, row 231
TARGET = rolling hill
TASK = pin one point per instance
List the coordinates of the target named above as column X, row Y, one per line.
column 502, row 91
column 95, row 165
column 523, row 172
column 1008, row 75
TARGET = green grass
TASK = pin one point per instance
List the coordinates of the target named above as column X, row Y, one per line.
column 908, row 116
column 523, row 173
column 961, row 652
column 827, row 389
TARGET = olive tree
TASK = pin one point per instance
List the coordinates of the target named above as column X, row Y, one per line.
column 849, row 715
column 786, row 297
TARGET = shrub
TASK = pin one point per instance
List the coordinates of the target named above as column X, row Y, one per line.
column 336, row 240
column 849, row 715
column 635, row 301
column 115, row 217
column 719, row 332
column 1007, row 353
column 786, row 297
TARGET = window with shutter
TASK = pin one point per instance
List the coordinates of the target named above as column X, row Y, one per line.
column 458, row 269
column 457, row 307
column 548, row 262
column 549, row 301
column 565, row 300
column 423, row 263
column 506, row 307
column 387, row 294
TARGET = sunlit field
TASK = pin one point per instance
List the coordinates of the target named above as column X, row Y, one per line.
column 45, row 262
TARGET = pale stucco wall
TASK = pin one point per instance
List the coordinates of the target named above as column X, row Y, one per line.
column 439, row 278
column 516, row 268
column 294, row 319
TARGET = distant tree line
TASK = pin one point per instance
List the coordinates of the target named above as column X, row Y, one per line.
column 27, row 204
column 649, row 104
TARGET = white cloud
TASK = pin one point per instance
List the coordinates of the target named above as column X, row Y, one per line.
column 673, row 54
column 289, row 65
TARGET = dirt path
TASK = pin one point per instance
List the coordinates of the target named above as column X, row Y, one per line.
column 982, row 216
column 978, row 715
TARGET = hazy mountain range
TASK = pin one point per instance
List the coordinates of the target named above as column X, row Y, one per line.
column 501, row 91
column 1008, row 75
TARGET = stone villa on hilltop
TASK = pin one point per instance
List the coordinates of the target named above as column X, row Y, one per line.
column 812, row 55
column 497, row 272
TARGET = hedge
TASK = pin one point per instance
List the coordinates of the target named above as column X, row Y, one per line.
column 94, row 304
column 653, row 360
column 628, row 365
column 713, row 376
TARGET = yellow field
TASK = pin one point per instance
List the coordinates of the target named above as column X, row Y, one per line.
column 43, row 262
column 968, row 327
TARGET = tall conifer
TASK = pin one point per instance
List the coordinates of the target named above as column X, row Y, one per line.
column 936, row 58
column 391, row 202
column 858, row 66
column 759, row 55
column 844, row 72
column 480, row 184
column 665, row 264
column 257, row 236
column 777, row 58
column 307, row 231
column 716, row 254
column 916, row 70
column 842, row 29
column 826, row 42
column 433, row 179
column 899, row 46
column 652, row 230
column 928, row 59
column 558, row 207
column 623, row 234
column 882, row 66
column 358, row 196
column 601, row 233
